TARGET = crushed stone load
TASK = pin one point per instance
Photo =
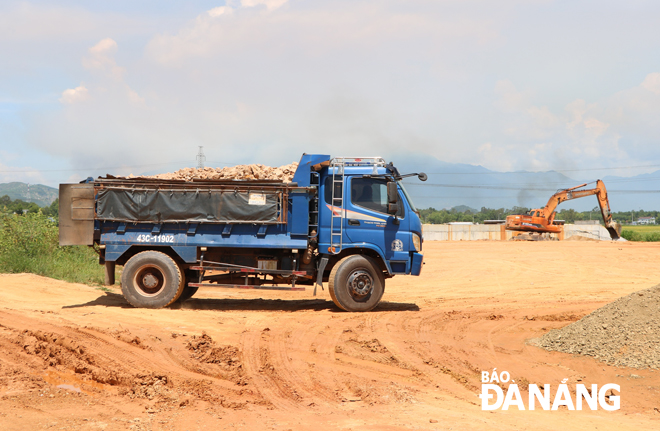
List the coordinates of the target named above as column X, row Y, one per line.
column 625, row 332
column 240, row 172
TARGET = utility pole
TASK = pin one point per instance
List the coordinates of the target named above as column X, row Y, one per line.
column 201, row 158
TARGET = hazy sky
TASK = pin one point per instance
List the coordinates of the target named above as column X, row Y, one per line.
column 88, row 88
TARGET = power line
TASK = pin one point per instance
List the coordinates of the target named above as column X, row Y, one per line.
column 518, row 189
column 519, row 186
column 543, row 172
column 515, row 196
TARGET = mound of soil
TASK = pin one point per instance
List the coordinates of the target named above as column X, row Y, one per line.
column 240, row 172
column 625, row 332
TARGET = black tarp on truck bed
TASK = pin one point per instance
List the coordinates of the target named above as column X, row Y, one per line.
column 201, row 205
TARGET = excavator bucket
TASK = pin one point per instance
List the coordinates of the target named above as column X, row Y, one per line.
column 615, row 230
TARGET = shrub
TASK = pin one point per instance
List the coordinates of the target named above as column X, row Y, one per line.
column 30, row 243
column 631, row 235
column 652, row 237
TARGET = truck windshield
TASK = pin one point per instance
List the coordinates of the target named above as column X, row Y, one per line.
column 371, row 193
column 407, row 196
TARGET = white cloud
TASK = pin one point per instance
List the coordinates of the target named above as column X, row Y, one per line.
column 23, row 174
column 270, row 4
column 23, row 21
column 109, row 76
column 104, row 47
column 509, row 97
column 102, row 59
column 221, row 10
column 266, row 80
column 652, row 82
column 342, row 29
column 75, row 95
column 580, row 135
column 133, row 97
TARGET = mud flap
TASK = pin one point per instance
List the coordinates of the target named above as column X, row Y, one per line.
column 319, row 277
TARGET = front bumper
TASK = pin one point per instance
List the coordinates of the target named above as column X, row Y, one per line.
column 416, row 264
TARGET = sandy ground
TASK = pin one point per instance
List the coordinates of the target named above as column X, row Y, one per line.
column 76, row 357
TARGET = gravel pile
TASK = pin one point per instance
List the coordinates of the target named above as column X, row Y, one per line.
column 240, row 172
column 625, row 332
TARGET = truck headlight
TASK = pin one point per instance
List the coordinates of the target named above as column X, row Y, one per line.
column 417, row 242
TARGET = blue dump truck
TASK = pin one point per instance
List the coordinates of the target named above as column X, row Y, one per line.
column 347, row 221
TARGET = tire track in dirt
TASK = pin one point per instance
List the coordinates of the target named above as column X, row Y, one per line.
column 297, row 361
column 450, row 362
column 263, row 368
column 294, row 349
column 285, row 361
column 374, row 348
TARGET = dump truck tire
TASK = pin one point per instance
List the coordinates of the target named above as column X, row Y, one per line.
column 356, row 284
column 188, row 291
column 151, row 279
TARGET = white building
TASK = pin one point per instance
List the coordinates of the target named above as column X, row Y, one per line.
column 646, row 220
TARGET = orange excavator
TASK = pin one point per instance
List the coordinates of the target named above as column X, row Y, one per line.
column 542, row 220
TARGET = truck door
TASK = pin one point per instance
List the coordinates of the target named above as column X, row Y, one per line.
column 367, row 220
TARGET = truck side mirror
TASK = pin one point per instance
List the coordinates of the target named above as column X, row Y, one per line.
column 392, row 192
column 392, row 198
column 392, row 209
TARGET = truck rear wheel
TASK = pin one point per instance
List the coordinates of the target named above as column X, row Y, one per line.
column 356, row 284
column 188, row 292
column 151, row 279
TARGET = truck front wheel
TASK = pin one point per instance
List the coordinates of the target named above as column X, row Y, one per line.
column 356, row 284
column 151, row 279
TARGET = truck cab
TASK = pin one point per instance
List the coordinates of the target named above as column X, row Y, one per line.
column 359, row 216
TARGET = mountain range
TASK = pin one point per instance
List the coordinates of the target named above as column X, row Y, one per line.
column 37, row 193
column 452, row 185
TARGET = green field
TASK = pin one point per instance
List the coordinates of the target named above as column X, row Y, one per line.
column 644, row 228
column 641, row 233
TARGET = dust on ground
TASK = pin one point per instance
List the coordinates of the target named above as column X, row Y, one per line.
column 76, row 357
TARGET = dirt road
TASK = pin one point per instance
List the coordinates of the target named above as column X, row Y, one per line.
column 76, row 357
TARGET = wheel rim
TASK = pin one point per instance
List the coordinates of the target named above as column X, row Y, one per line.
column 360, row 284
column 149, row 280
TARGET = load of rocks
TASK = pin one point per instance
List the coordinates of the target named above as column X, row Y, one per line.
column 241, row 172
column 625, row 332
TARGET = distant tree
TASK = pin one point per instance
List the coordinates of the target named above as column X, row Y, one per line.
column 53, row 210
column 569, row 215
